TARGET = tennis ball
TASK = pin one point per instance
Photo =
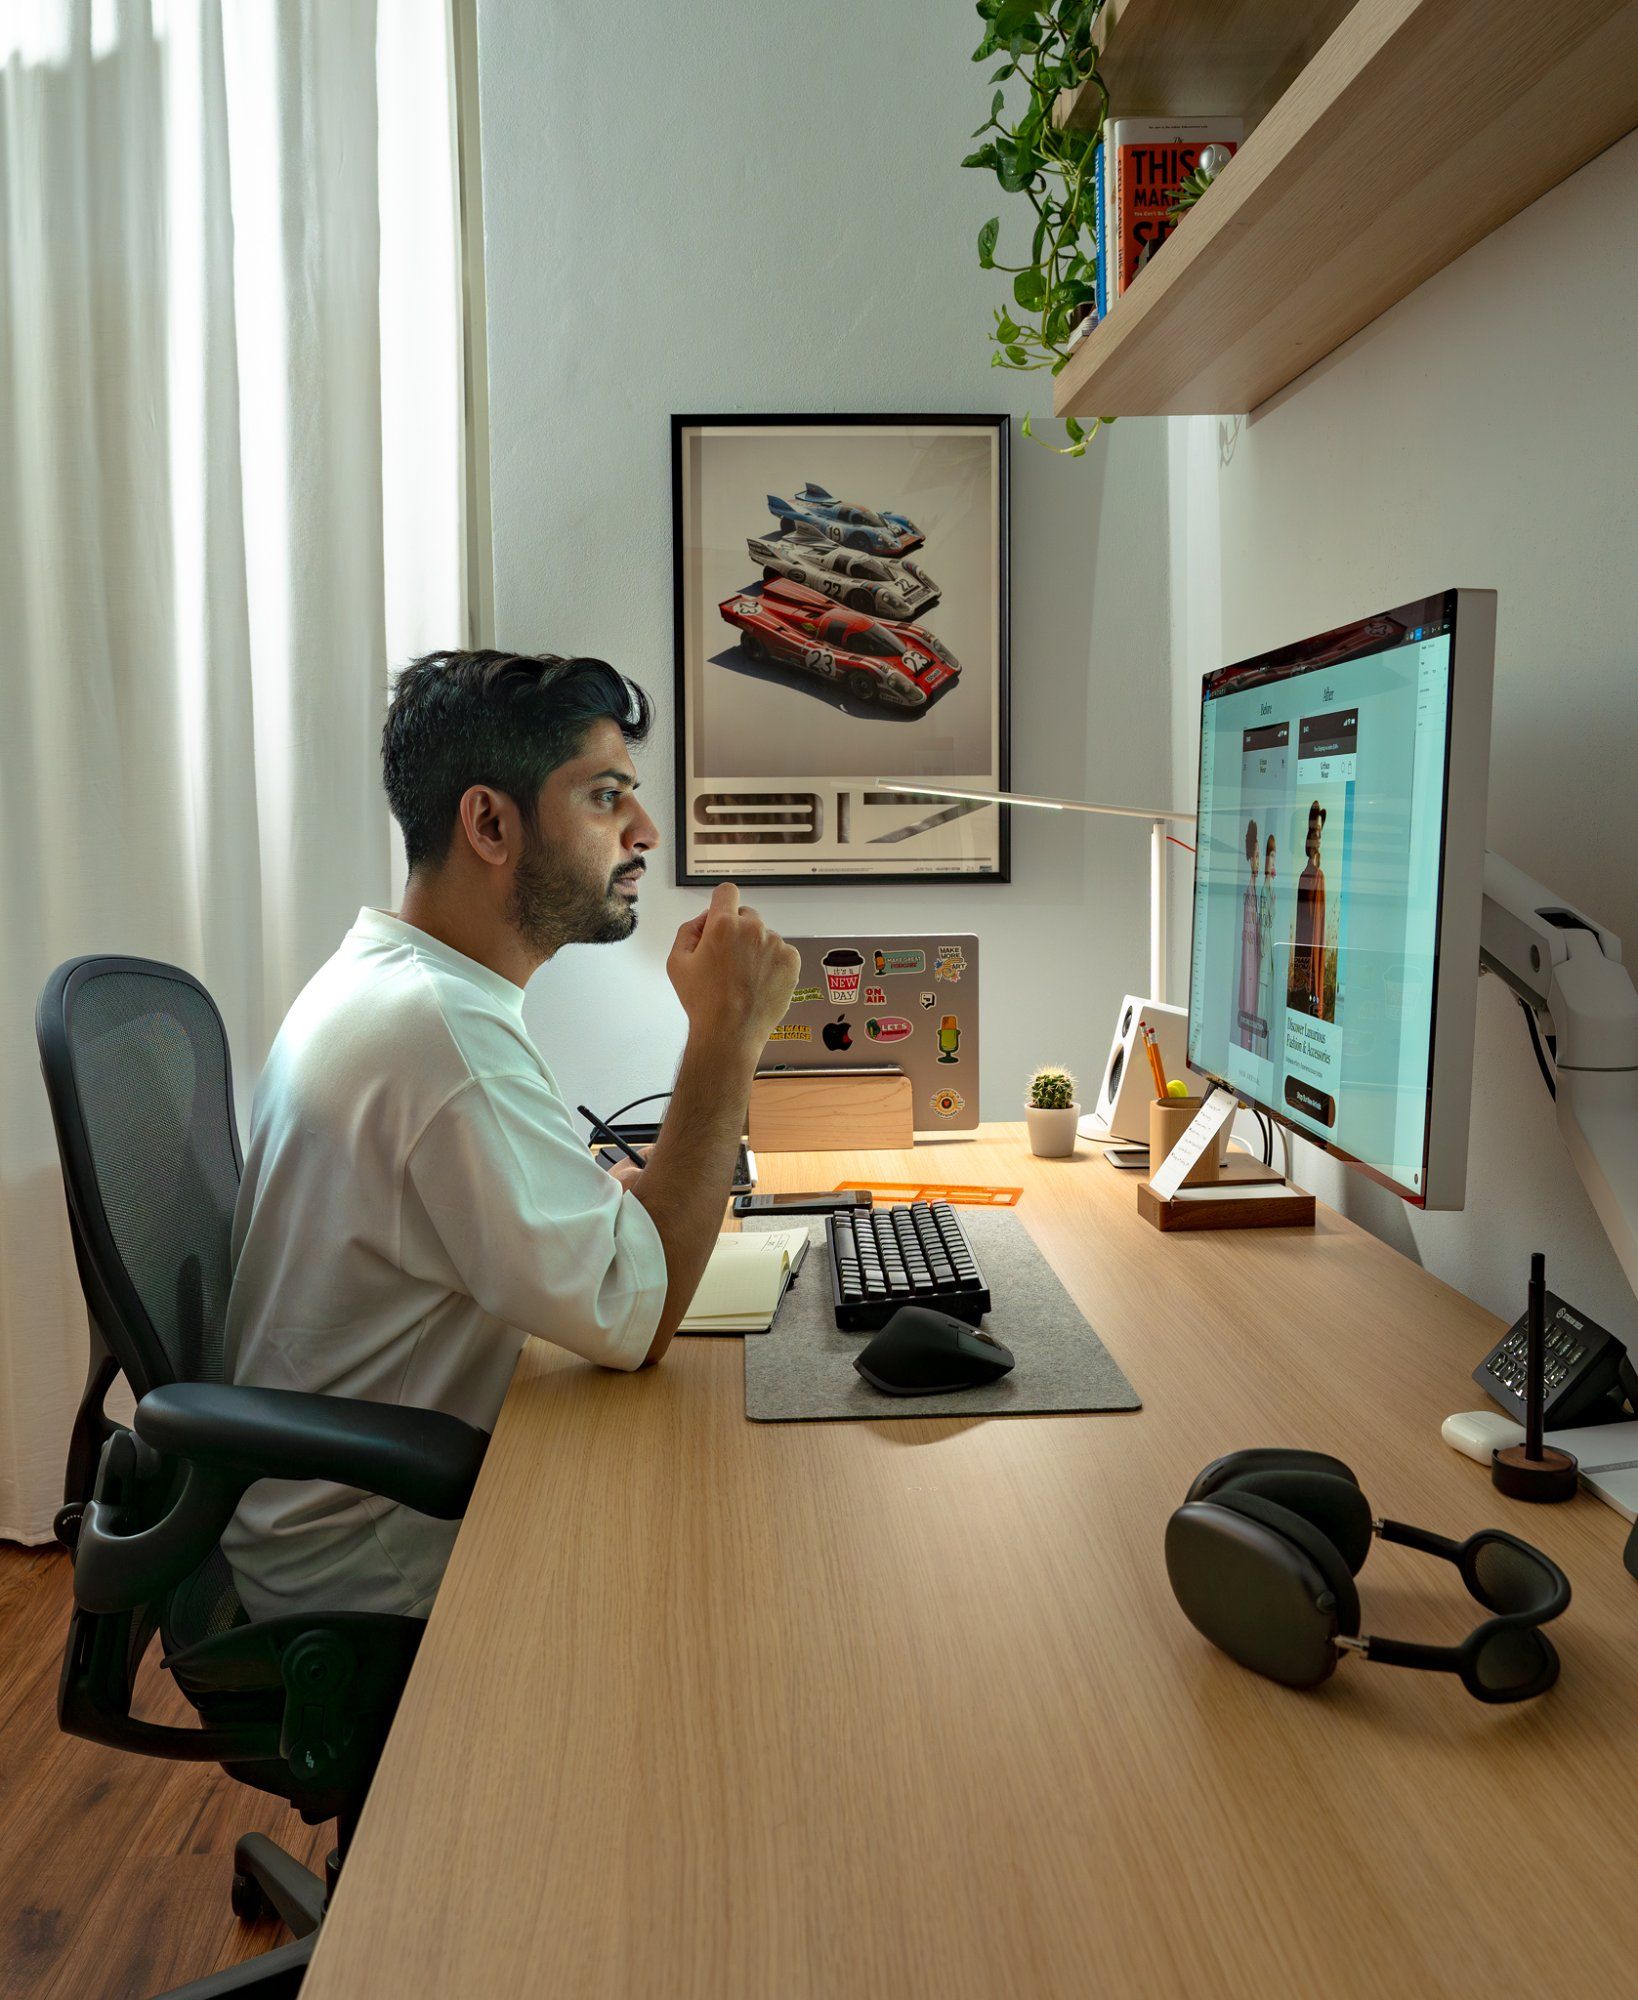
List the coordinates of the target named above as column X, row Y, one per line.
column 1177, row 1088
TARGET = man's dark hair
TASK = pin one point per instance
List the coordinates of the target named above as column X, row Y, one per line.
column 503, row 719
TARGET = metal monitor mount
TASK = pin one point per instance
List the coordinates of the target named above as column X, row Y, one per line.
column 1567, row 970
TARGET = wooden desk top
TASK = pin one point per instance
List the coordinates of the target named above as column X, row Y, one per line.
column 716, row 1708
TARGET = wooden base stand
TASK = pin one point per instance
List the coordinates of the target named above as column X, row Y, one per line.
column 1246, row 1195
column 808, row 1111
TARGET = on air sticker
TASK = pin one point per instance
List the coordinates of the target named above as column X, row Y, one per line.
column 875, row 997
column 898, row 961
column 949, row 962
column 792, row 1031
column 949, row 1039
column 889, row 1028
column 948, row 1102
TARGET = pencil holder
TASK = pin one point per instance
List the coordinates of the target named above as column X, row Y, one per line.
column 1169, row 1119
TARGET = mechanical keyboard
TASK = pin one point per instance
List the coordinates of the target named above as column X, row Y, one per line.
column 916, row 1254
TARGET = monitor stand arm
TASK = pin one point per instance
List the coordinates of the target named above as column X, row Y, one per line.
column 1567, row 969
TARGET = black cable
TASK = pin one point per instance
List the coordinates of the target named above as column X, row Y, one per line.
column 1535, row 1043
column 632, row 1106
column 1268, row 1136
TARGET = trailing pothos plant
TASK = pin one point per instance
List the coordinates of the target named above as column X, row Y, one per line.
column 1049, row 47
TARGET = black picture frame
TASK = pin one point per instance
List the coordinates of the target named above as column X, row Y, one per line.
column 996, row 866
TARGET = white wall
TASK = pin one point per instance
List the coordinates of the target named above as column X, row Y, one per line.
column 1483, row 432
column 736, row 206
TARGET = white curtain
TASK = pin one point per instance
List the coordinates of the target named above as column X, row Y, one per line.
column 231, row 493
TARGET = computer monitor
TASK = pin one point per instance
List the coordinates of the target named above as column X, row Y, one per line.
column 1338, row 884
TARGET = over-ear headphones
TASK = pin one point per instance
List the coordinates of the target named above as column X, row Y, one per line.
column 1262, row 1557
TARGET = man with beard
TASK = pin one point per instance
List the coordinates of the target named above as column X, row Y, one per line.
column 415, row 1200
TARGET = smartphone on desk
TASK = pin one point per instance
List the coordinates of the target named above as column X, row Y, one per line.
column 832, row 1203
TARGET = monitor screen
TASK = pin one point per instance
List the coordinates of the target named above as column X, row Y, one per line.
column 1319, row 876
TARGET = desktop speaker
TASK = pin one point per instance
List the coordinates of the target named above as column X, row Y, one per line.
column 1128, row 1085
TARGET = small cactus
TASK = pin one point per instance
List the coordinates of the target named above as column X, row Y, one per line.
column 1052, row 1089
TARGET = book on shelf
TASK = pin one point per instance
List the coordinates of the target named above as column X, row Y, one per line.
column 1146, row 161
column 747, row 1277
column 1098, row 209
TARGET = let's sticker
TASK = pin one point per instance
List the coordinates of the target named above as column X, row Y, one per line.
column 889, row 1028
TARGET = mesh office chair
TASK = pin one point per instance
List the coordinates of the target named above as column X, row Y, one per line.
column 136, row 1066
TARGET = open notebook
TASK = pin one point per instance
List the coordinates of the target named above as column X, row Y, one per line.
column 745, row 1281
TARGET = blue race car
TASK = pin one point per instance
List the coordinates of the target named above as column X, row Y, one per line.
column 841, row 521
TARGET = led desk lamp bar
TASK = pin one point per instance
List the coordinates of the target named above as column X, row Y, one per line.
column 1159, row 819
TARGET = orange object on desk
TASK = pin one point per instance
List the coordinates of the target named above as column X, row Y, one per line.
column 957, row 1195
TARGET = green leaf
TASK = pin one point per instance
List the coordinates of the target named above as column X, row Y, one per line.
column 1074, row 429
column 1015, row 165
column 996, row 103
column 1004, row 327
column 986, row 242
column 984, row 157
column 1027, row 431
column 1029, row 289
column 1017, row 356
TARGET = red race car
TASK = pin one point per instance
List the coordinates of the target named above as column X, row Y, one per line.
column 872, row 659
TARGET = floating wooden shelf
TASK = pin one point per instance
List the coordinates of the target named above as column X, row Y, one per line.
column 1417, row 128
column 1171, row 58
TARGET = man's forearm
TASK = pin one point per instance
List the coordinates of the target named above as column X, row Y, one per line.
column 690, row 1169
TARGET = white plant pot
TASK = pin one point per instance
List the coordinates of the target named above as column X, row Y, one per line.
column 1052, row 1133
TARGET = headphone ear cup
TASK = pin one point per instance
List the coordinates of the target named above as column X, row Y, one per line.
column 1336, row 1578
column 1237, row 1465
column 1336, row 1507
column 1262, row 1585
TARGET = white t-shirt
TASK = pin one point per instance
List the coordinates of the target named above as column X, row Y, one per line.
column 415, row 1202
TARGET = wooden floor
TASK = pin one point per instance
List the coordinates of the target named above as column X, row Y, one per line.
column 114, row 1868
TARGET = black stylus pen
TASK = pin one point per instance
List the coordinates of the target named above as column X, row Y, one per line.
column 600, row 1130
column 1535, row 1357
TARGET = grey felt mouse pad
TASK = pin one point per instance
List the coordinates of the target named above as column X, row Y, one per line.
column 802, row 1368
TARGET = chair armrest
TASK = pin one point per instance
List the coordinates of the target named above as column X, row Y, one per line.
column 424, row 1458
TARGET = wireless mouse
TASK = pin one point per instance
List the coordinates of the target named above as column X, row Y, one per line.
column 925, row 1353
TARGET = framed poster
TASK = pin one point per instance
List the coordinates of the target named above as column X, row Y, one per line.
column 841, row 618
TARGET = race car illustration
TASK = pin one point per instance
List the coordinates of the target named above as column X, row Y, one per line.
column 868, row 658
column 844, row 522
column 874, row 584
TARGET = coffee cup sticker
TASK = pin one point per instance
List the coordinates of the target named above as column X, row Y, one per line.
column 792, row 1031
column 805, row 995
column 889, row 1028
column 875, row 997
column 844, row 968
column 898, row 961
column 949, row 1039
column 950, row 962
column 946, row 1103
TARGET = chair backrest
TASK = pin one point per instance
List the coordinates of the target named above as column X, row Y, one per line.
column 136, row 1066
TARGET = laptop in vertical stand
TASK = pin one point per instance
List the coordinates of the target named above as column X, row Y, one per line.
column 878, row 1000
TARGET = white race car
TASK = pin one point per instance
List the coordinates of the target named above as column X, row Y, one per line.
column 882, row 586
